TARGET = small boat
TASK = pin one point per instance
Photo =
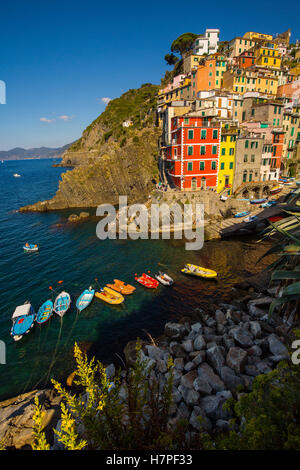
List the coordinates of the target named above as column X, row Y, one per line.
column 147, row 281
column 251, row 218
column 45, row 312
column 62, row 303
column 23, row 320
column 122, row 287
column 275, row 190
column 198, row 271
column 258, row 201
column 164, row 279
column 242, row 214
column 110, row 296
column 16, row 175
column 85, row 298
column 30, row 247
column 275, row 218
column 268, row 204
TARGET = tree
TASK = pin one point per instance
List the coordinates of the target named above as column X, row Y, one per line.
column 171, row 59
column 183, row 43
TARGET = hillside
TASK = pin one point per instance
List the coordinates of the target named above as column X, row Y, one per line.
column 19, row 153
column 111, row 160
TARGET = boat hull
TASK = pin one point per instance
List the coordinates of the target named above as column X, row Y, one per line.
column 147, row 281
column 85, row 299
column 62, row 303
column 110, row 296
column 45, row 312
column 199, row 271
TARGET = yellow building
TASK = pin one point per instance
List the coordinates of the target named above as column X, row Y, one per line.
column 226, row 161
column 252, row 35
column 190, row 62
column 267, row 54
column 266, row 83
column 295, row 70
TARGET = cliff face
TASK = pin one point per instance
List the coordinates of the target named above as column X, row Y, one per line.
column 110, row 160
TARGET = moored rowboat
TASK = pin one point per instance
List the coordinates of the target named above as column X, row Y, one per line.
column 147, row 281
column 164, row 279
column 45, row 312
column 62, row 303
column 23, row 320
column 122, row 287
column 85, row 298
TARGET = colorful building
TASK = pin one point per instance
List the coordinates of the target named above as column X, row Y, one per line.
column 238, row 45
column 207, row 43
column 267, row 54
column 245, row 59
column 257, row 36
column 193, row 157
column 227, row 160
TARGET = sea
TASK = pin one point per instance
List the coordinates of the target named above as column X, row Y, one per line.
column 72, row 253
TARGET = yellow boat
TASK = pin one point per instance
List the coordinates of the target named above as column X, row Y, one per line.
column 198, row 271
column 110, row 296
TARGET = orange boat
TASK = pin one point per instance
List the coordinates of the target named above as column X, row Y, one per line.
column 122, row 287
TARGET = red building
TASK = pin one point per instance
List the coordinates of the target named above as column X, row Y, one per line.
column 193, row 156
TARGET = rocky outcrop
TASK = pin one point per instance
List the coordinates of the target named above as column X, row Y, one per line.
column 16, row 421
column 110, row 160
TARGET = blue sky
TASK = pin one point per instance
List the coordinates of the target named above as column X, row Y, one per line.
column 60, row 58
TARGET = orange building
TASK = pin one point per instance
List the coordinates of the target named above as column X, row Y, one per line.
column 209, row 75
column 245, row 59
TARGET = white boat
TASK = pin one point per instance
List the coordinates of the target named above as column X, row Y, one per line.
column 16, row 175
column 62, row 303
column 23, row 320
column 164, row 279
column 30, row 248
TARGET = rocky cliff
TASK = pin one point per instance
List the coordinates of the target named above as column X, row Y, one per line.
column 111, row 160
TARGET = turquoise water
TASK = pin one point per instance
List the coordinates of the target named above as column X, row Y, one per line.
column 74, row 254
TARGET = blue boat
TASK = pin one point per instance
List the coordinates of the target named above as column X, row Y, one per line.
column 85, row 299
column 258, row 201
column 242, row 214
column 23, row 320
column 268, row 204
column 45, row 312
column 62, row 303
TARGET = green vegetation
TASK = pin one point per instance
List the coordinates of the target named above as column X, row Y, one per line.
column 183, row 43
column 113, row 415
column 135, row 104
column 171, row 59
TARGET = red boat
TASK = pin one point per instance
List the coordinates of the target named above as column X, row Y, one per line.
column 275, row 218
column 147, row 281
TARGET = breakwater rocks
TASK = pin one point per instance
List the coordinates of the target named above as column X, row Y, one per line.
column 217, row 358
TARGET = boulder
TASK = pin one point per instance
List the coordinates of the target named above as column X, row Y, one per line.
column 231, row 380
column 191, row 397
column 154, row 352
column 179, row 363
column 199, row 421
column 188, row 345
column 187, row 380
column 207, row 373
column 220, row 317
column 189, row 366
column 199, row 358
column 202, row 386
column 199, row 343
column 176, row 349
column 175, row 330
column 276, row 347
column 255, row 329
column 215, row 357
column 242, row 337
column 236, row 359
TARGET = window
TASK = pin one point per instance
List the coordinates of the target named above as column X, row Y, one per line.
column 214, row 150
column 190, row 166
column 222, row 166
column 202, row 150
column 244, row 176
column 231, row 165
column 252, row 158
column 213, row 165
column 202, row 166
column 190, row 134
column 231, row 151
column 246, row 144
column 203, row 134
column 215, row 134
column 250, row 176
column 190, row 150
column 223, row 151
column 245, row 158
